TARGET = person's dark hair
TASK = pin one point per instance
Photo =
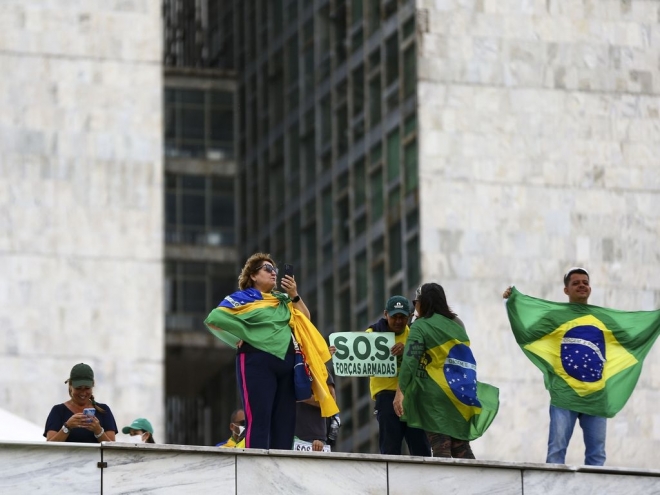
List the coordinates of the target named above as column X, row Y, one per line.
column 570, row 272
column 150, row 439
column 432, row 300
column 232, row 418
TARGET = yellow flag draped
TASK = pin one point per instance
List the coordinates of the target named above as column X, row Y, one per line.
column 317, row 354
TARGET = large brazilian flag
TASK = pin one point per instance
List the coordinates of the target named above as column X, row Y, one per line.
column 591, row 357
column 438, row 377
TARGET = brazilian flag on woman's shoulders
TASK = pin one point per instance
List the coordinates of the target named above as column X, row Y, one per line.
column 438, row 378
column 266, row 321
column 591, row 357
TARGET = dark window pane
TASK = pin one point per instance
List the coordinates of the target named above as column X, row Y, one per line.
column 409, row 72
column 222, row 185
column 193, row 182
column 357, row 11
column 361, row 225
column 343, row 216
column 412, row 220
column 378, row 288
column 328, row 302
column 409, row 27
column 376, row 195
column 190, row 96
column 375, row 154
column 344, row 312
column 192, row 123
column 395, row 248
column 360, row 184
column 413, row 262
column 292, row 55
column 391, row 60
column 222, row 211
column 342, row 130
column 358, row 90
column 410, row 125
column 326, row 121
column 170, row 123
column 375, row 100
column 170, row 208
column 374, row 15
column 361, row 275
column 224, row 98
column 393, row 148
column 222, row 126
column 193, row 296
column 410, row 166
column 170, row 182
column 192, row 210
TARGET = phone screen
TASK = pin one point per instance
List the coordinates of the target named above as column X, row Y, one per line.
column 89, row 411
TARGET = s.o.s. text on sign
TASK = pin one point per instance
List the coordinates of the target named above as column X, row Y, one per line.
column 363, row 354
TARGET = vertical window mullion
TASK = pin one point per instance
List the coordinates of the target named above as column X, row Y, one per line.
column 207, row 120
column 208, row 197
column 178, row 206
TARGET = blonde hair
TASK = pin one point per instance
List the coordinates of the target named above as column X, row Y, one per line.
column 251, row 266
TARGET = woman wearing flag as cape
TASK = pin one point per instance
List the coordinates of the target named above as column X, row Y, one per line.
column 438, row 384
column 259, row 321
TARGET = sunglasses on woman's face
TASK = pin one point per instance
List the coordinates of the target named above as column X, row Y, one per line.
column 268, row 268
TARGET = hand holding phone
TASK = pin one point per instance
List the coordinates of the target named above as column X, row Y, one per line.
column 288, row 269
column 90, row 412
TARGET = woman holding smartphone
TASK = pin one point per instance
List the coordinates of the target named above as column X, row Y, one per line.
column 259, row 321
column 80, row 419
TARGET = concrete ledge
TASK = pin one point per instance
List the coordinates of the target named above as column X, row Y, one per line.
column 109, row 468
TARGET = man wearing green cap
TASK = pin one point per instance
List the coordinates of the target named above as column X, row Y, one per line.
column 391, row 430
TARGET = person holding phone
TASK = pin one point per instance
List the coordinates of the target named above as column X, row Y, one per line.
column 260, row 322
column 81, row 418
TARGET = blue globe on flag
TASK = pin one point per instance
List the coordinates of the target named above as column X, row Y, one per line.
column 583, row 353
column 460, row 371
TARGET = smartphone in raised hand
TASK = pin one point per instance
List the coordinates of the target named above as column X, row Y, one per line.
column 90, row 412
column 288, row 269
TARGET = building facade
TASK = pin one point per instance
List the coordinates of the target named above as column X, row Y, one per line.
column 385, row 143
column 200, row 242
column 375, row 145
column 81, row 181
column 539, row 125
column 327, row 145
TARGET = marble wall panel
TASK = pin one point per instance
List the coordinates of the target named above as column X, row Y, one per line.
column 300, row 473
column 158, row 470
column 61, row 469
column 537, row 136
column 432, row 478
column 81, row 239
column 554, row 483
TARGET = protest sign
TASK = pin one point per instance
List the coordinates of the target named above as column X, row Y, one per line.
column 363, row 354
column 301, row 445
